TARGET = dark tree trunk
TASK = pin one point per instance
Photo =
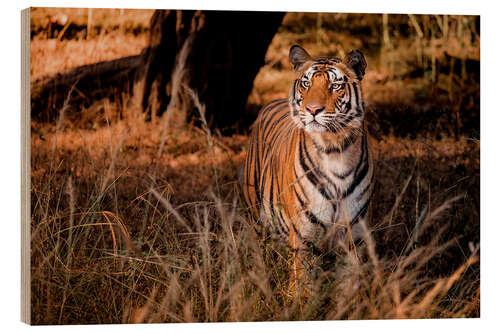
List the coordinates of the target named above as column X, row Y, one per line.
column 169, row 30
column 227, row 51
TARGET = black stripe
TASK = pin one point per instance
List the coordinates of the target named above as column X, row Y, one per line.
column 361, row 212
column 312, row 177
column 294, row 88
column 257, row 171
column 314, row 249
column 300, row 184
column 309, row 173
column 263, row 179
column 262, row 188
column 271, row 205
column 283, row 224
column 297, row 232
column 325, row 62
column 368, row 186
column 349, row 106
column 314, row 220
column 266, row 119
column 269, row 108
column 332, row 128
column 355, row 86
column 320, row 173
column 272, row 104
column 347, row 120
column 271, row 194
column 249, row 161
column 275, row 220
column 278, row 191
column 283, row 228
column 270, row 117
column 363, row 153
column 358, row 177
column 276, row 123
column 302, row 204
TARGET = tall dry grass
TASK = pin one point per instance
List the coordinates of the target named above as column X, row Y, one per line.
column 100, row 258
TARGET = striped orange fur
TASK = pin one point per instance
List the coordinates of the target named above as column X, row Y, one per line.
column 308, row 173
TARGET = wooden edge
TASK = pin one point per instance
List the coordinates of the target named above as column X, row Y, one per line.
column 25, row 168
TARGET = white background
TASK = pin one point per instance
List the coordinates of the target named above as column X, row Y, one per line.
column 11, row 166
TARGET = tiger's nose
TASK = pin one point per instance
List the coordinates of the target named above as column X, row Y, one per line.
column 314, row 109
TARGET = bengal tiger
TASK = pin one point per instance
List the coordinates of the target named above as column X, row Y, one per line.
column 308, row 172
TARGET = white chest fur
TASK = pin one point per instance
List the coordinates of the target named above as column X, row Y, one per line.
column 328, row 200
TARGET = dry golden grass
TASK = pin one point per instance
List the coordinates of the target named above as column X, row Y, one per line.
column 174, row 250
column 50, row 56
column 143, row 222
column 68, row 37
column 100, row 18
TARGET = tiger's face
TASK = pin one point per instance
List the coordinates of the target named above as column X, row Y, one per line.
column 326, row 95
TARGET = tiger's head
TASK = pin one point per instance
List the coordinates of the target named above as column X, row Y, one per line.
column 326, row 96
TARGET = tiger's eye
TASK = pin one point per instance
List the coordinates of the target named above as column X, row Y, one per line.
column 336, row 86
column 306, row 84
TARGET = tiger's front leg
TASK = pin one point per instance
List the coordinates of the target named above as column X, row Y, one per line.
column 300, row 284
column 358, row 231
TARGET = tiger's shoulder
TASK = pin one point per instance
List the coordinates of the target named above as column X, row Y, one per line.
column 273, row 117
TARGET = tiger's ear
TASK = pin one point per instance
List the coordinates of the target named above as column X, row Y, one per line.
column 357, row 63
column 298, row 56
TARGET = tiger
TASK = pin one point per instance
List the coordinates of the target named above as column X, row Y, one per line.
column 309, row 173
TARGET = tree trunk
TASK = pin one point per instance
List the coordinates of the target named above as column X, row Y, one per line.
column 228, row 48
